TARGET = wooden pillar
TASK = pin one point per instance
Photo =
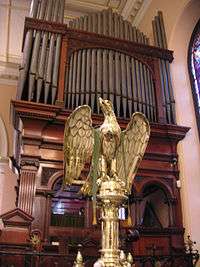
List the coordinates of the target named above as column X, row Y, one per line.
column 62, row 72
column 88, row 213
column 161, row 114
column 27, row 185
column 47, row 218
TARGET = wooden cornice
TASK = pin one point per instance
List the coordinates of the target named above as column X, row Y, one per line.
column 58, row 115
column 97, row 40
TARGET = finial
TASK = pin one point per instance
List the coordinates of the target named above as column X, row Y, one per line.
column 122, row 256
column 79, row 259
column 130, row 258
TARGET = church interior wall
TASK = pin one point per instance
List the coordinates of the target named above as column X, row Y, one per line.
column 180, row 19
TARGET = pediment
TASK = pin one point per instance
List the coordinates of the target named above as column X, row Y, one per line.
column 16, row 217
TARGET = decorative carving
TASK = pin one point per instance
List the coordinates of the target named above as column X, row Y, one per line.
column 46, row 174
column 30, row 162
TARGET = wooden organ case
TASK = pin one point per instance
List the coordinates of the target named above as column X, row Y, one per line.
column 64, row 67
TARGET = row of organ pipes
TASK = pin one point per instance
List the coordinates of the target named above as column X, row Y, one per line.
column 110, row 24
column 41, row 59
column 127, row 82
column 93, row 72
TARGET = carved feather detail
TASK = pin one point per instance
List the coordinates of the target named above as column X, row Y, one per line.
column 119, row 158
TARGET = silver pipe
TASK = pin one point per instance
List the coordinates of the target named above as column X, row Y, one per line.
column 78, row 77
column 116, row 26
column 129, row 87
column 104, row 22
column 25, row 63
column 150, row 95
column 142, row 89
column 35, row 55
column 134, row 35
column 74, row 79
column 48, row 77
column 117, row 82
column 147, row 96
column 134, row 85
column 58, row 16
column 130, row 32
column 121, row 28
column 160, row 43
column 81, row 23
column 137, row 69
column 90, row 23
column 99, row 23
column 93, row 78
column 155, row 33
column 56, row 10
column 85, row 23
column 110, row 23
column 88, row 74
column 153, row 96
column 171, row 94
column 126, row 30
column 165, row 88
column 69, row 91
column 94, row 23
column 163, row 33
column 123, row 85
column 56, row 67
column 105, row 74
column 83, row 76
column 111, row 76
column 41, row 65
column 66, row 85
column 61, row 11
column 34, row 8
column 99, row 73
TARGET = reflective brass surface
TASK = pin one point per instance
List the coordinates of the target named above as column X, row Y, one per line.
column 115, row 157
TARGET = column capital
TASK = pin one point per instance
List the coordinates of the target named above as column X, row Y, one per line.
column 30, row 163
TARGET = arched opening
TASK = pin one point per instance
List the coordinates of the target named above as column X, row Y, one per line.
column 67, row 207
column 154, row 208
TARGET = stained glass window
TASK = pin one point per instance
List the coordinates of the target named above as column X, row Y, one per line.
column 195, row 60
column 194, row 69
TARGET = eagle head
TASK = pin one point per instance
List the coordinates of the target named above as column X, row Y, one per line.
column 106, row 106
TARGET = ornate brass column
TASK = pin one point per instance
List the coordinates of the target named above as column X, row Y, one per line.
column 112, row 195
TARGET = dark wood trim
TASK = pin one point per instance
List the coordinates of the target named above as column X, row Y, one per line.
column 62, row 73
column 55, row 114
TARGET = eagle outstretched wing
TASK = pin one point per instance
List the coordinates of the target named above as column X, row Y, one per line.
column 132, row 147
column 78, row 143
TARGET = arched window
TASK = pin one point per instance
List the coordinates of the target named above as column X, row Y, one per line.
column 194, row 69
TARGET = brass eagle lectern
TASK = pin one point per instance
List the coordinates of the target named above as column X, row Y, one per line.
column 115, row 156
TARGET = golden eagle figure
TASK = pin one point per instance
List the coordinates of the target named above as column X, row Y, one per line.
column 114, row 154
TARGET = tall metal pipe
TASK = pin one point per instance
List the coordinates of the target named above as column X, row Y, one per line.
column 118, row 82
column 134, row 85
column 83, row 75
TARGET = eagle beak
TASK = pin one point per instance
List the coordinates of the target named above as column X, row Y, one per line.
column 100, row 101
